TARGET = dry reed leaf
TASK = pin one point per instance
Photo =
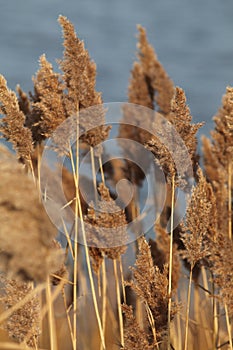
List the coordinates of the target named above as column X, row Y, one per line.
column 12, row 125
column 26, row 232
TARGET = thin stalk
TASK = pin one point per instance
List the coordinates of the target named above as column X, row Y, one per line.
column 52, row 326
column 228, row 327
column 99, row 283
column 152, row 323
column 122, row 279
column 57, row 290
column 32, row 171
column 119, row 303
column 187, row 310
column 91, row 276
column 75, row 278
column 75, row 170
column 93, row 174
column 178, row 320
column 68, row 316
column 197, row 313
column 170, row 262
column 38, row 171
column 104, row 298
column 101, row 170
column 69, row 244
column 215, row 318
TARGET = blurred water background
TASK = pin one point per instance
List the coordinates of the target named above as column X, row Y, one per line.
column 193, row 40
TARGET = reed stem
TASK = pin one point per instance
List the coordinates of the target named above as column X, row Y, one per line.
column 170, row 262
column 119, row 303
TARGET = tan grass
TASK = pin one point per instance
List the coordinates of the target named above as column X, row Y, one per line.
column 109, row 296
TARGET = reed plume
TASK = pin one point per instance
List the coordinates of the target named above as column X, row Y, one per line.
column 12, row 125
column 135, row 337
column 160, row 85
column 106, row 229
column 151, row 286
column 218, row 162
column 23, row 326
column 26, row 232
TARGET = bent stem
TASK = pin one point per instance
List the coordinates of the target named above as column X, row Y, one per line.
column 170, row 264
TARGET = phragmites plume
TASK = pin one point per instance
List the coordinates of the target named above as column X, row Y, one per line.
column 79, row 71
column 181, row 118
column 160, row 249
column 12, row 125
column 48, row 110
column 199, row 222
column 23, row 101
column 218, row 161
column 23, row 325
column 221, row 259
column 106, row 229
column 223, row 133
column 151, row 286
column 139, row 92
column 160, row 85
column 79, row 75
column 26, row 233
column 134, row 337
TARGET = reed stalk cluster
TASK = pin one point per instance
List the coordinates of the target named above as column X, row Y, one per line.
column 169, row 289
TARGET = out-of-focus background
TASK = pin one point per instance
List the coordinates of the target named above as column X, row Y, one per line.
column 193, row 40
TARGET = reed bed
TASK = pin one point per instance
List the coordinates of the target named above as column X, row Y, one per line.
column 170, row 288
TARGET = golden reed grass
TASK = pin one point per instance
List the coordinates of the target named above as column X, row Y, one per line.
column 177, row 294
